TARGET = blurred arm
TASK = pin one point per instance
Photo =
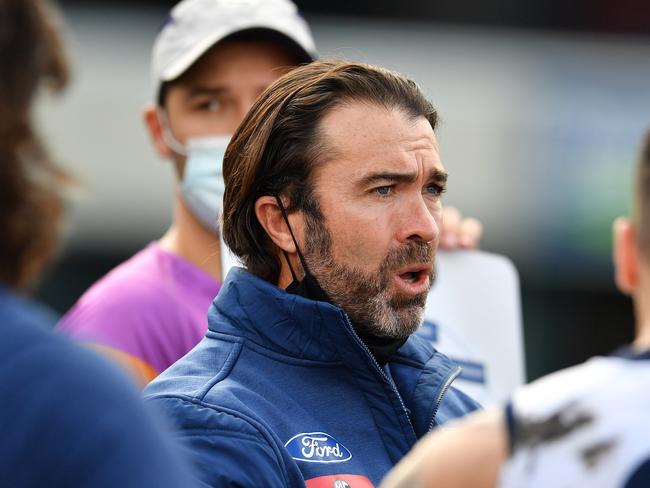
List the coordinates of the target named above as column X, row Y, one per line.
column 467, row 453
column 137, row 369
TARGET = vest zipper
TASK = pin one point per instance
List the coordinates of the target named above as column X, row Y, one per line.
column 381, row 371
column 450, row 379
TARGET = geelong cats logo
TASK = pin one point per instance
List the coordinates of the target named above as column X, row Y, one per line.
column 317, row 447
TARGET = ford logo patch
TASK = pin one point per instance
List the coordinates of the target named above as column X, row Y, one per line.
column 317, row 447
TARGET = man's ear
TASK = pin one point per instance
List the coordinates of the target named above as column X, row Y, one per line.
column 626, row 259
column 270, row 218
column 155, row 129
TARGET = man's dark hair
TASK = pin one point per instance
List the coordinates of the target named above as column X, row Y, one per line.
column 30, row 205
column 277, row 146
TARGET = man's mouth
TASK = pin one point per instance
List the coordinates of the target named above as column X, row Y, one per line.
column 413, row 280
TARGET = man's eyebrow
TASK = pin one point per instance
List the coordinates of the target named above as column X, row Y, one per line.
column 387, row 176
column 202, row 90
column 437, row 175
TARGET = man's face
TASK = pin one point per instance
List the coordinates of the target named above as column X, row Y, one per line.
column 379, row 196
column 215, row 94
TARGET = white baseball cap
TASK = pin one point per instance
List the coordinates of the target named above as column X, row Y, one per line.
column 194, row 26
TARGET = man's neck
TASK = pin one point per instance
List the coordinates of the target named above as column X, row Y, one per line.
column 642, row 338
column 641, row 303
column 191, row 241
column 381, row 348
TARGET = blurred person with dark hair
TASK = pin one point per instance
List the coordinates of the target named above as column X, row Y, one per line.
column 66, row 417
column 210, row 61
column 310, row 373
column 588, row 425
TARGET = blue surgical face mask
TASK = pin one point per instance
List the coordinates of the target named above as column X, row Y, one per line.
column 202, row 187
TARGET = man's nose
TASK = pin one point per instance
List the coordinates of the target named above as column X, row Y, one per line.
column 245, row 105
column 419, row 222
column 242, row 110
column 237, row 113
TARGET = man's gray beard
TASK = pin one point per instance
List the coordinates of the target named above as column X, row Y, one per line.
column 365, row 296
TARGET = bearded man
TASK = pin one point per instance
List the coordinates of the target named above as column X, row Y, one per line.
column 210, row 61
column 309, row 374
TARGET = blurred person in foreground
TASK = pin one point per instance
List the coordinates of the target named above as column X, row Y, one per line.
column 585, row 426
column 66, row 418
column 210, row 61
column 310, row 372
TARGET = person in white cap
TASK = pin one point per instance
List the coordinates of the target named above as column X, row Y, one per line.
column 210, row 61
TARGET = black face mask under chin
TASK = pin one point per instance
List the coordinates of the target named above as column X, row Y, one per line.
column 309, row 286
column 382, row 348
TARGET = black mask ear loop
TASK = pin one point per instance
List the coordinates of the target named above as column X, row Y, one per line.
column 309, row 286
column 286, row 256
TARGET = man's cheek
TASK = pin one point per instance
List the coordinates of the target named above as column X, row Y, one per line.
column 437, row 217
column 357, row 249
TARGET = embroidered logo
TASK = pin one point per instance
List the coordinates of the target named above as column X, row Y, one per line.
column 317, row 447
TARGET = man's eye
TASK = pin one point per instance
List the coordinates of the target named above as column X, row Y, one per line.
column 435, row 190
column 210, row 106
column 383, row 190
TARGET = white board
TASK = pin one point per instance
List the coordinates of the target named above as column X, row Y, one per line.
column 473, row 315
